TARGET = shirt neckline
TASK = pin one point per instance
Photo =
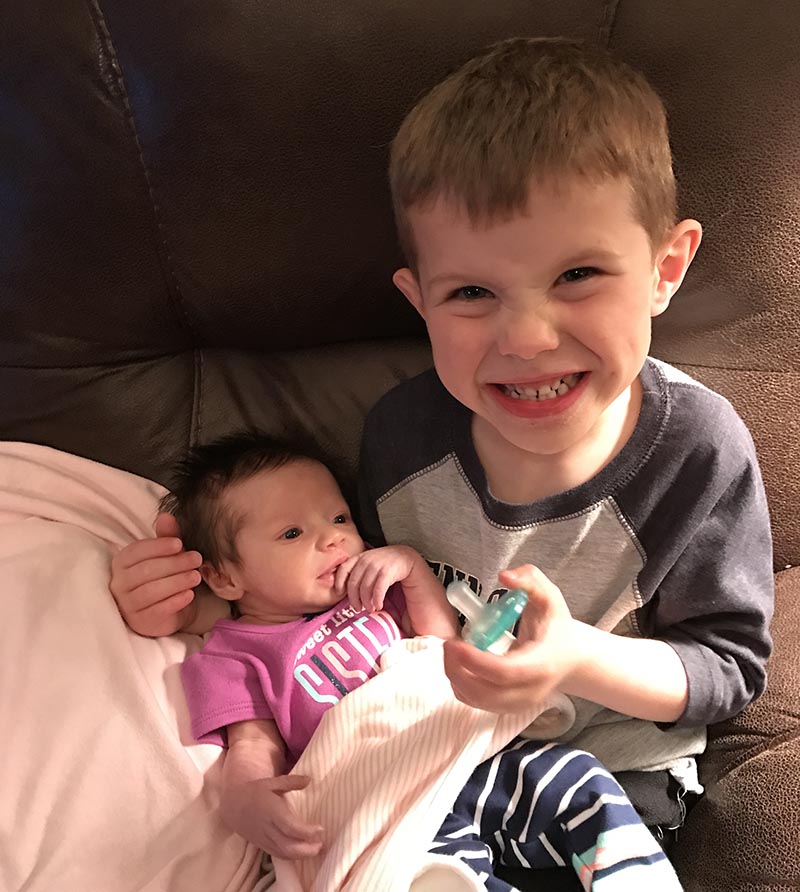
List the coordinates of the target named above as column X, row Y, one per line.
column 652, row 416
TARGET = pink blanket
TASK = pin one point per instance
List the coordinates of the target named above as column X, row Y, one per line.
column 100, row 785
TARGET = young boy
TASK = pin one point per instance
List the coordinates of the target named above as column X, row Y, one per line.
column 535, row 201
column 315, row 610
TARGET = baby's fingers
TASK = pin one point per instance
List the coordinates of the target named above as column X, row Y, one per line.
column 357, row 593
column 372, row 586
column 295, row 829
column 283, row 845
column 283, row 782
column 342, row 575
column 300, row 830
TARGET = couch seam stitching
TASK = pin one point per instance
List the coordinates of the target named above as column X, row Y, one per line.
column 608, row 19
column 164, row 253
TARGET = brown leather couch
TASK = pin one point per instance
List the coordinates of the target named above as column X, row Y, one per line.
column 195, row 234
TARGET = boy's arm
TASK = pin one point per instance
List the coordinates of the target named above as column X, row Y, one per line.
column 208, row 608
column 706, row 589
column 644, row 678
column 253, row 784
column 640, row 677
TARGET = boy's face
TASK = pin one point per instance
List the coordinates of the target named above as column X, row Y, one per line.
column 296, row 530
column 541, row 324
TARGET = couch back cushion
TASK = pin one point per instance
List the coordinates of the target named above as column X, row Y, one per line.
column 197, row 232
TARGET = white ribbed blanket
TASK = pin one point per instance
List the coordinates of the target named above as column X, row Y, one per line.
column 387, row 762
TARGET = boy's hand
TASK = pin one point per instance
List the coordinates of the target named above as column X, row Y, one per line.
column 544, row 655
column 259, row 812
column 152, row 581
column 366, row 577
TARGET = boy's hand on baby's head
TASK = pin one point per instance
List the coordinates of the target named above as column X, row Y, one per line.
column 366, row 577
column 543, row 656
column 259, row 812
column 152, row 581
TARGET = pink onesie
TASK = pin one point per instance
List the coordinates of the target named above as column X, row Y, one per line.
column 290, row 673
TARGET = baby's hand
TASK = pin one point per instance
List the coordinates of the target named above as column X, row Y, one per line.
column 152, row 581
column 367, row 577
column 545, row 652
column 259, row 812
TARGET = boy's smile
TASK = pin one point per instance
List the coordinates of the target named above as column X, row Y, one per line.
column 545, row 396
column 540, row 323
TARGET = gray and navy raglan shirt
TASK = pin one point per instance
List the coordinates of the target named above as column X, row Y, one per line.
column 670, row 540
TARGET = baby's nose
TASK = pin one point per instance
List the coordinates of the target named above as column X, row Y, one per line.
column 332, row 537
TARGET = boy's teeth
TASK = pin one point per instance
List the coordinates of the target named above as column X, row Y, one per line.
column 550, row 391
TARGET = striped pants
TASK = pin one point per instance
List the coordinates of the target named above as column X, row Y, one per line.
column 537, row 805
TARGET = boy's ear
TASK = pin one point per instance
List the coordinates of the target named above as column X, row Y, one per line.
column 407, row 282
column 222, row 582
column 672, row 261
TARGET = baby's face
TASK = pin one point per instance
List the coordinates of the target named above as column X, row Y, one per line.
column 296, row 531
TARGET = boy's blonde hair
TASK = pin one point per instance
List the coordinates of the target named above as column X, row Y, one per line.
column 533, row 109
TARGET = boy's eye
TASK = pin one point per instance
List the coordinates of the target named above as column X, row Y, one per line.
column 291, row 533
column 471, row 292
column 578, row 274
column 340, row 518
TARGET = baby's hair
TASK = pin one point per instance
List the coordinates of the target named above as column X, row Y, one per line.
column 529, row 110
column 202, row 478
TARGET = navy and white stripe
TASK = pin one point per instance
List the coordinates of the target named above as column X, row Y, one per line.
column 538, row 805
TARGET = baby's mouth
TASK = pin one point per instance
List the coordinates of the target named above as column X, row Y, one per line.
column 331, row 570
column 548, row 390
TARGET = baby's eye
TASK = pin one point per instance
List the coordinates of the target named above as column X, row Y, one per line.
column 471, row 292
column 340, row 518
column 291, row 533
column 578, row 274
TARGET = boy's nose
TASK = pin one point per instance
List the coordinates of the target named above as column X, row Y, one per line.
column 525, row 332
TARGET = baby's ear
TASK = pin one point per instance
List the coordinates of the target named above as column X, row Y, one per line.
column 405, row 280
column 221, row 582
column 673, row 260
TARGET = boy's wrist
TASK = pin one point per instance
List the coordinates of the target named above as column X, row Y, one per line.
column 582, row 656
column 206, row 608
column 189, row 618
column 639, row 677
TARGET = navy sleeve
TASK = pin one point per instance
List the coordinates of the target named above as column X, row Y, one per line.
column 368, row 489
column 402, row 433
column 721, row 632
column 708, row 584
